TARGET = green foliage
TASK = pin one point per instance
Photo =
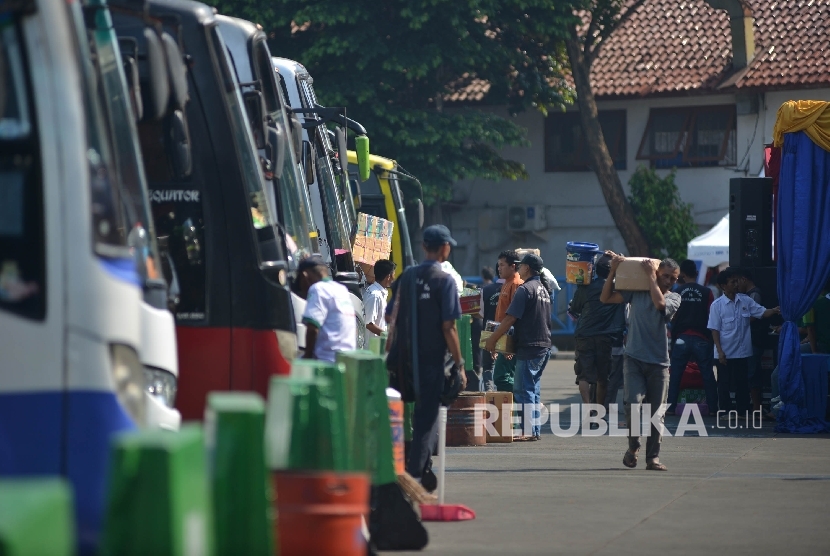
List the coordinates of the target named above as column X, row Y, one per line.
column 664, row 218
column 393, row 63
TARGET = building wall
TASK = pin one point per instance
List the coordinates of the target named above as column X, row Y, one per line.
column 573, row 203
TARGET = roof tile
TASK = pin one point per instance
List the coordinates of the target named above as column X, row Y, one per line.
column 669, row 47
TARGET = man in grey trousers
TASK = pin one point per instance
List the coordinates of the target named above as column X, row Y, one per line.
column 646, row 364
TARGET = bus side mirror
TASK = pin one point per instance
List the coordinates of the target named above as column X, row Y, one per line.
column 275, row 272
column 255, row 108
column 276, row 143
column 420, row 214
column 297, row 137
column 156, row 94
column 343, row 156
column 129, row 56
column 177, row 71
column 361, row 147
column 309, row 160
column 180, row 143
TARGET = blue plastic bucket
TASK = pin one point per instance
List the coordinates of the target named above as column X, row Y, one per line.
column 579, row 264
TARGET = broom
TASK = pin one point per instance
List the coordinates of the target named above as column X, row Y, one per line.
column 414, row 491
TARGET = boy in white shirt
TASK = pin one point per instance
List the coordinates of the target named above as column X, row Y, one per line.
column 374, row 302
column 329, row 314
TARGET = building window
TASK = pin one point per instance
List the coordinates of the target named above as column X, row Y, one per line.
column 566, row 149
column 690, row 137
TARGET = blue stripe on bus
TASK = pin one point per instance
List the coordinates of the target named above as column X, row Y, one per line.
column 30, row 433
column 122, row 269
column 32, row 428
column 94, row 417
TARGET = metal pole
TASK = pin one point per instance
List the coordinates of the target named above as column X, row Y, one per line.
column 442, row 451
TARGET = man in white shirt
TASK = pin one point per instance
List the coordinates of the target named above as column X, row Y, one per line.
column 329, row 314
column 374, row 302
column 729, row 318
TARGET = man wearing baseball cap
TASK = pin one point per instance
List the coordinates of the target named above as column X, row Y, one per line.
column 329, row 315
column 529, row 314
column 438, row 307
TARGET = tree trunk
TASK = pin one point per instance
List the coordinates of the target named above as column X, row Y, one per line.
column 603, row 164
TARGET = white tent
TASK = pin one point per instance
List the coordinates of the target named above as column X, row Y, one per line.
column 711, row 248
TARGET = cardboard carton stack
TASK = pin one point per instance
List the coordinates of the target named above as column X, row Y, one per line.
column 373, row 240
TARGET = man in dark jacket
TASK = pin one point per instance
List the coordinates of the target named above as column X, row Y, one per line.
column 437, row 308
column 691, row 338
column 529, row 314
column 598, row 328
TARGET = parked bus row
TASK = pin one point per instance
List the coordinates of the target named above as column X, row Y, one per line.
column 161, row 176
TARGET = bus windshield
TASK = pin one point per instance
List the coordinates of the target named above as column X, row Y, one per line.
column 339, row 232
column 261, row 201
column 293, row 194
column 125, row 154
column 115, row 214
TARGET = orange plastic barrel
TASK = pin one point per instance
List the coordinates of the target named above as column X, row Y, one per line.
column 397, row 422
column 321, row 512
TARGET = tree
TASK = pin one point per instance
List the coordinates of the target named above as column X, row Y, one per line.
column 666, row 221
column 393, row 63
column 583, row 43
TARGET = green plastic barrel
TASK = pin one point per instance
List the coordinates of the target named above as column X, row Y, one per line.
column 159, row 497
column 305, row 424
column 373, row 344
column 318, row 440
column 36, row 517
column 278, row 416
column 370, row 427
column 335, row 373
column 243, row 519
column 465, row 338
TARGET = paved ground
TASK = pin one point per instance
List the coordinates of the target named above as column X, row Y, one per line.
column 738, row 492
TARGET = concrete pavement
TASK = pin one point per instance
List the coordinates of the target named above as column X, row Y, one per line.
column 737, row 492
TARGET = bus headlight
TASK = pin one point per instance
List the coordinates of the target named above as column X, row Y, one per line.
column 161, row 385
column 128, row 378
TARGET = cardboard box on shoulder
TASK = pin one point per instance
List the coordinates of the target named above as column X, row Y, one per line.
column 631, row 276
column 522, row 251
column 503, row 345
column 503, row 424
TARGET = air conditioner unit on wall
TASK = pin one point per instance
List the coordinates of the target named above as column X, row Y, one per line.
column 526, row 218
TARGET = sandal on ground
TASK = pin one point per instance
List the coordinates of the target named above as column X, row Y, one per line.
column 630, row 459
column 528, row 438
column 656, row 466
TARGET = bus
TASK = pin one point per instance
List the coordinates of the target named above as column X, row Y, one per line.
column 220, row 238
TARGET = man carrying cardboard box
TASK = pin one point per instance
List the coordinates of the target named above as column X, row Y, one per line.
column 529, row 312
column 505, row 365
column 646, row 364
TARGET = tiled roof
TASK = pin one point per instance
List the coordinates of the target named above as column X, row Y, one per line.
column 674, row 46
column 793, row 40
column 685, row 47
column 468, row 89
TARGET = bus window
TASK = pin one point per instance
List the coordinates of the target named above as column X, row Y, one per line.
column 180, row 227
column 22, row 243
